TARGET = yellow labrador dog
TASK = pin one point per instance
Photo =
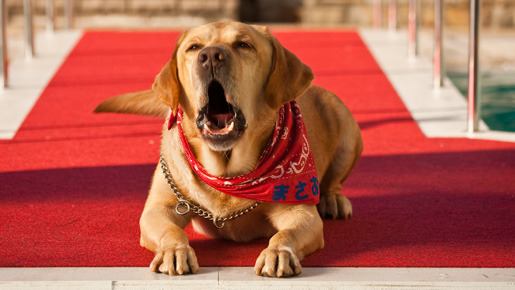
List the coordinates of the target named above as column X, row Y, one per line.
column 230, row 81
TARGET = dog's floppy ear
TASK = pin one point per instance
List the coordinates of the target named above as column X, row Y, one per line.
column 289, row 77
column 166, row 85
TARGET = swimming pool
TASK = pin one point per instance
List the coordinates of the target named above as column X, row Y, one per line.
column 497, row 97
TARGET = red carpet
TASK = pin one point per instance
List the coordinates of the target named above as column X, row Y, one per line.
column 73, row 184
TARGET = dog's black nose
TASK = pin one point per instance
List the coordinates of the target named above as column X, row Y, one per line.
column 211, row 58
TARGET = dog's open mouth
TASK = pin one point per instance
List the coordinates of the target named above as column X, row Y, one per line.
column 219, row 121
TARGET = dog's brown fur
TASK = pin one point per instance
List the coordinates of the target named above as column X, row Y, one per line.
column 260, row 77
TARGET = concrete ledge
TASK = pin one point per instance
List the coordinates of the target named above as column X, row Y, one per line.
column 243, row 278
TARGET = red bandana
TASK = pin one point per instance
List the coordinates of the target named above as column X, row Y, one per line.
column 286, row 169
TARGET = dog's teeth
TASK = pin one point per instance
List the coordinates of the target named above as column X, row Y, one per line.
column 206, row 127
column 231, row 127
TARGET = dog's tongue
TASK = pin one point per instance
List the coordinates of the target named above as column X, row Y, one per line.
column 221, row 120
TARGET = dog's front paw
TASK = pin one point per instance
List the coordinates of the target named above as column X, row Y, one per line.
column 175, row 260
column 277, row 263
column 334, row 206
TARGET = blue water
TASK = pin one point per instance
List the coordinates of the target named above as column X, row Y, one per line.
column 497, row 98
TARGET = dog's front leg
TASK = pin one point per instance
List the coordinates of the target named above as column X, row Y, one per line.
column 300, row 233
column 162, row 232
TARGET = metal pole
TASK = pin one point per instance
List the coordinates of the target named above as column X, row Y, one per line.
column 50, row 16
column 29, row 36
column 438, row 66
column 392, row 15
column 377, row 11
column 473, row 86
column 413, row 29
column 69, row 13
column 3, row 47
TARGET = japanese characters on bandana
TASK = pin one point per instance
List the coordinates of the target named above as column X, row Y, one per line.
column 286, row 169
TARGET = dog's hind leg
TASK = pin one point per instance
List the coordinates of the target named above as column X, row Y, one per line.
column 332, row 203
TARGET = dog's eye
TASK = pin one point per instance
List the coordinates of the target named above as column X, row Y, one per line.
column 241, row 44
column 193, row 47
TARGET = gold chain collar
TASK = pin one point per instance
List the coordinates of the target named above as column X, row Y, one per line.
column 184, row 206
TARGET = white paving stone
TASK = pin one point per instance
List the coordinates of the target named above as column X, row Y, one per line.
column 243, row 278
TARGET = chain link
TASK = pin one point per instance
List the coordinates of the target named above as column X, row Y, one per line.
column 184, row 206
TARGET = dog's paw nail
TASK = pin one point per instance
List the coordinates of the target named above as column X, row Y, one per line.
column 277, row 263
column 175, row 261
column 334, row 206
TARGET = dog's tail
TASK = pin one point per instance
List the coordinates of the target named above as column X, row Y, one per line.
column 138, row 103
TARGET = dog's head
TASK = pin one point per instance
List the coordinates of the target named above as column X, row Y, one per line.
column 228, row 77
